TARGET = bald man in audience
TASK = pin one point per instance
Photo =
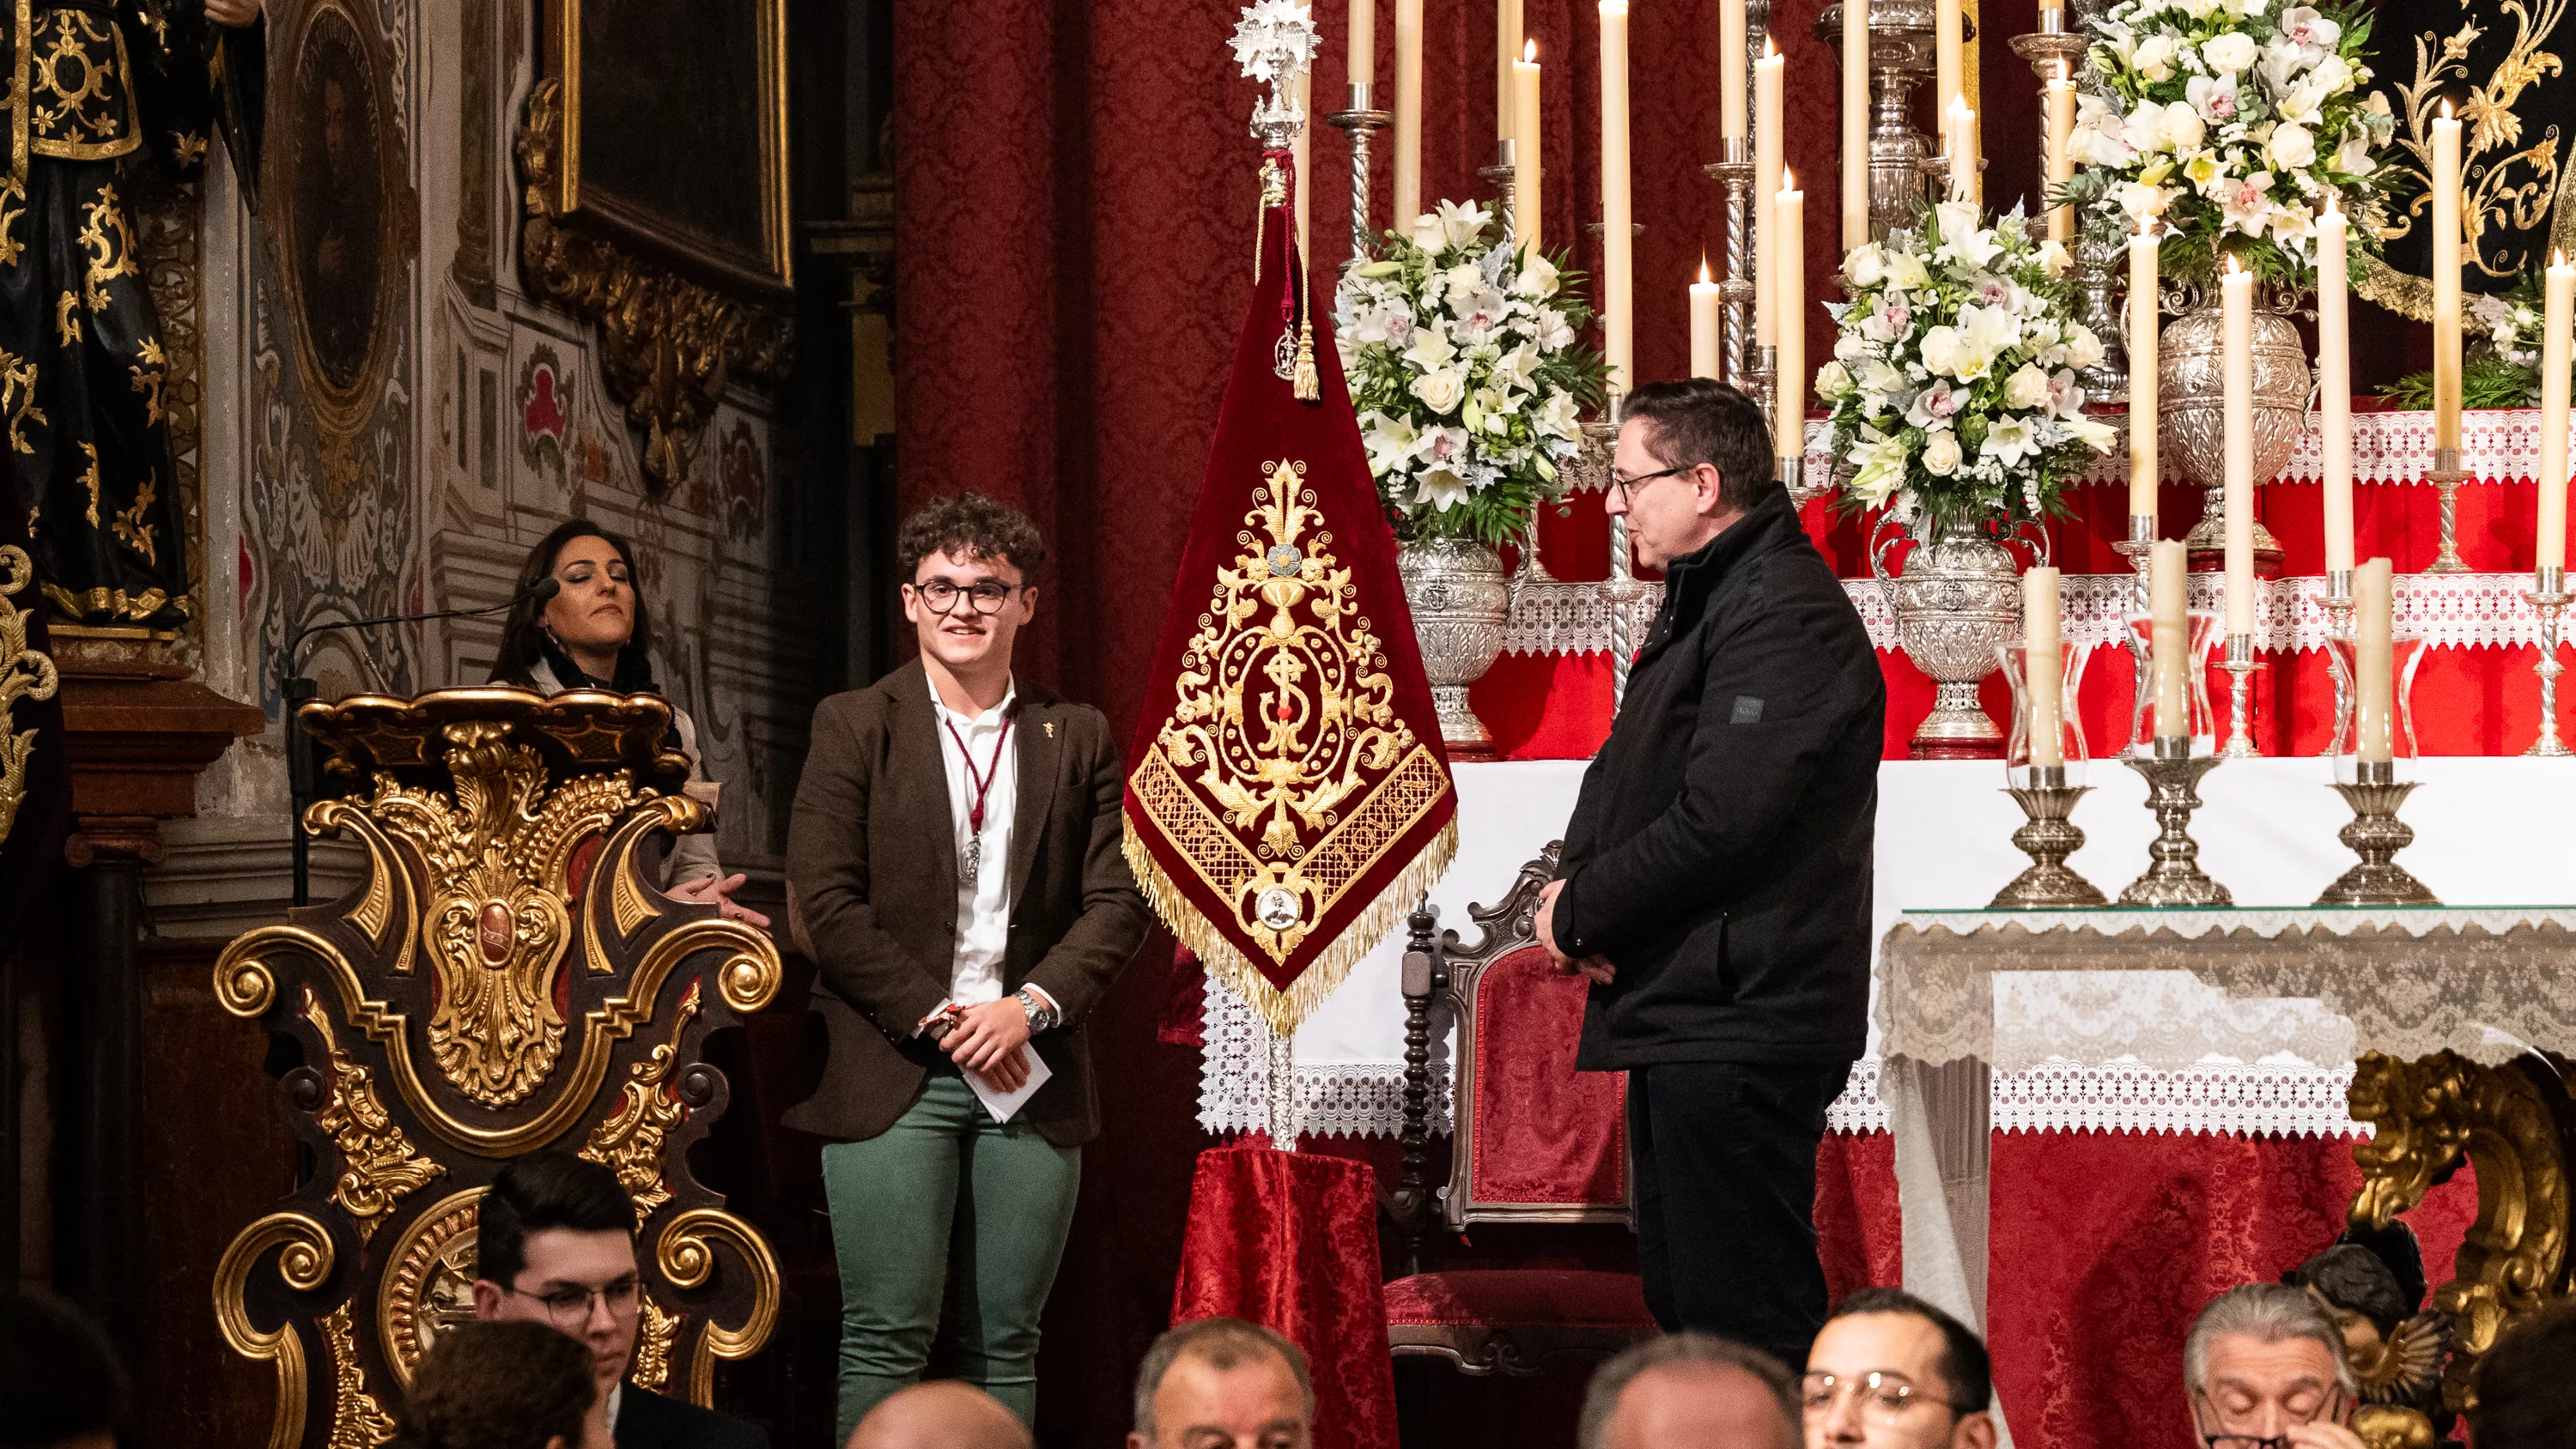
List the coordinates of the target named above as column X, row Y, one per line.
column 1222, row 1383
column 1694, row 1389
column 944, row 1414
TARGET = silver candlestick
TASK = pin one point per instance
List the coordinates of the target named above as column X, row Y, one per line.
column 2053, row 55
column 2548, row 595
column 2446, row 476
column 1506, row 164
column 1758, row 384
column 1361, row 121
column 1901, row 43
column 2376, row 835
column 2047, row 837
column 2174, row 877
column 2240, row 667
column 2338, row 606
column 1735, row 294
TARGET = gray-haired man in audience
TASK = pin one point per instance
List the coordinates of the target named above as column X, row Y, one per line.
column 1222, row 1383
column 1694, row 1389
column 2264, row 1367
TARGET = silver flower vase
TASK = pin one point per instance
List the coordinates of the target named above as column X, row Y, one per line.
column 1957, row 601
column 2191, row 390
column 1461, row 600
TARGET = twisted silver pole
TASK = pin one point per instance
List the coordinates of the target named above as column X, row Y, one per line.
column 1360, row 121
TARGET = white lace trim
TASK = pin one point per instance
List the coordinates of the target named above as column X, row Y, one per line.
column 2387, row 447
column 1334, row 1099
column 2192, row 923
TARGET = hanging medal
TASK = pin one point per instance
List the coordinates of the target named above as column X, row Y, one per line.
column 972, row 858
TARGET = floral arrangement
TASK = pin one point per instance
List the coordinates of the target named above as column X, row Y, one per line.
column 2503, row 367
column 2232, row 121
column 1953, row 380
column 1464, row 366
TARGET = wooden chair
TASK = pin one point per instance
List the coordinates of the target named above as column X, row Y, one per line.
column 1535, row 1142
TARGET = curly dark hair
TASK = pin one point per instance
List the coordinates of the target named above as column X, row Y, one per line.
column 523, row 633
column 499, row 1386
column 972, row 524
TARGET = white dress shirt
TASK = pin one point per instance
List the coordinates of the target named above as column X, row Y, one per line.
column 984, row 906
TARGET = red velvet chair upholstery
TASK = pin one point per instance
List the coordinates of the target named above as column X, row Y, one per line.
column 1535, row 1142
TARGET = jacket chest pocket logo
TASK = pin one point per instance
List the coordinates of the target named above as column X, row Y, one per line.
column 1748, row 710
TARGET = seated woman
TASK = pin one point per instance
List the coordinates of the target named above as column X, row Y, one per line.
column 595, row 634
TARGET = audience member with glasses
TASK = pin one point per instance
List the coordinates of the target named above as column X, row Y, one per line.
column 2265, row 1369
column 556, row 1245
column 1891, row 1371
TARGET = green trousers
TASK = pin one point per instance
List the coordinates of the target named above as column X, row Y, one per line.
column 946, row 1208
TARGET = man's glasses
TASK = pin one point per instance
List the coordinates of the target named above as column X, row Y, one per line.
column 1626, row 487
column 988, row 595
column 2324, row 1410
column 569, row 1306
column 1885, row 1398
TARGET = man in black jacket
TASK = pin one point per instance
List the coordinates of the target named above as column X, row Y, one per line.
column 1715, row 884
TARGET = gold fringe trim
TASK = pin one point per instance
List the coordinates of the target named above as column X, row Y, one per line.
column 1286, row 1010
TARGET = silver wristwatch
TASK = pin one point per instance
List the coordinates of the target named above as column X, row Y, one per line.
column 1039, row 1017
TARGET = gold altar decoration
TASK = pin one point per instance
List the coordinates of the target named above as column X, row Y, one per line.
column 668, row 344
column 2510, row 1124
column 25, row 673
column 509, row 976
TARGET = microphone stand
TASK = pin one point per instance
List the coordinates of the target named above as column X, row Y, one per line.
column 297, row 690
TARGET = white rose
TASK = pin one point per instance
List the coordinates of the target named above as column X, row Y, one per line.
column 1427, row 232
column 2154, row 57
column 2083, row 348
column 2026, row 388
column 2230, row 53
column 2144, row 130
column 1941, row 453
column 1943, row 349
column 1537, row 279
column 2332, row 73
column 1866, row 266
column 1833, row 383
column 2291, row 148
column 2053, row 258
column 2181, row 129
column 1442, row 390
column 1461, row 283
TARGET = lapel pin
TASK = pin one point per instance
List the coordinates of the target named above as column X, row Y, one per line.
column 1050, row 729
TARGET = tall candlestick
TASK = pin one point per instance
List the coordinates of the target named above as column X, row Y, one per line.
column 1526, row 211
column 1730, row 69
column 1959, row 147
column 1789, row 414
column 1507, row 53
column 2374, row 654
column 1363, row 55
column 1855, row 124
column 2334, row 381
column 2169, row 636
column 2552, row 527
column 1768, row 75
column 1948, row 56
column 1707, row 306
column 2446, row 279
column 2044, row 665
column 2237, row 288
column 1618, row 242
column 1408, row 112
column 2061, row 154
column 2143, row 307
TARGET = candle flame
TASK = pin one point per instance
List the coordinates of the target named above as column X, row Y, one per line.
column 2333, row 206
column 2234, row 267
column 2446, row 111
column 2557, row 258
column 1703, row 269
column 1529, row 51
column 1788, row 181
column 1770, row 50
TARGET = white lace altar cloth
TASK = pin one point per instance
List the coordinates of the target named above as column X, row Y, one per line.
column 2447, row 611
column 2387, row 447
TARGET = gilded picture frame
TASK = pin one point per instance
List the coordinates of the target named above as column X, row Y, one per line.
column 688, row 162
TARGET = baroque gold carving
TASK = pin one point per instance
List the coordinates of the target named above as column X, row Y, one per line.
column 686, row 1254
column 25, row 673
column 379, row 1165
column 304, row 1264
column 667, row 345
column 428, row 1287
column 358, row 1418
column 630, row 1141
column 655, row 1332
column 2431, row 1113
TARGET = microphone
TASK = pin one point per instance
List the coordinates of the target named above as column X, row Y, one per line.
column 296, row 689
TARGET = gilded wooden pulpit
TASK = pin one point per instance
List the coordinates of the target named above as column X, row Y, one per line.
column 509, row 977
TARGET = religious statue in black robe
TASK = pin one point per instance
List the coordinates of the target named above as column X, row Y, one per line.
column 93, row 87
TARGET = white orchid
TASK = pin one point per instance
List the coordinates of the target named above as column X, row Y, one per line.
column 1462, row 223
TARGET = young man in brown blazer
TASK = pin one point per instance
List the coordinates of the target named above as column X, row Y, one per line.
column 954, row 859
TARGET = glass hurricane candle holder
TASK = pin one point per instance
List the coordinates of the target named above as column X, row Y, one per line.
column 2381, row 749
column 2374, row 770
column 2026, row 762
column 2203, row 636
column 2046, row 784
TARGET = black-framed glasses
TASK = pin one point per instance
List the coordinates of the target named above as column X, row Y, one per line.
column 1626, row 487
column 570, row 1305
column 988, row 595
column 1885, row 1396
column 2324, row 1411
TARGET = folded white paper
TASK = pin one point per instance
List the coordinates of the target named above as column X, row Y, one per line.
column 1003, row 1104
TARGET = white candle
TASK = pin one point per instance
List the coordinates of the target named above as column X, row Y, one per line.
column 2334, row 381
column 1526, row 205
column 1855, row 124
column 2446, row 279
column 2551, row 552
column 1507, row 53
column 1618, row 242
column 1408, row 112
column 2045, row 664
column 1789, row 425
column 2169, row 638
column 2374, row 657
column 1363, row 58
column 1731, row 31
column 2237, row 349
column 2061, row 154
column 1959, row 148
column 1707, row 303
column 1768, row 74
column 1948, row 58
column 1298, row 151
column 2143, row 286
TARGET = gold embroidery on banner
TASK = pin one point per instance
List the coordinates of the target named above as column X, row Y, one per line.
column 67, row 327
column 109, row 241
column 129, row 521
column 80, row 85
column 630, row 1140
column 89, row 480
column 358, row 1418
column 380, row 1167
column 24, row 674
column 188, row 149
column 2515, row 185
column 11, row 191
column 147, row 377
column 88, row 603
column 18, row 398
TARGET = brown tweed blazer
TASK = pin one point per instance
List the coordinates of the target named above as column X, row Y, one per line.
column 872, row 868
